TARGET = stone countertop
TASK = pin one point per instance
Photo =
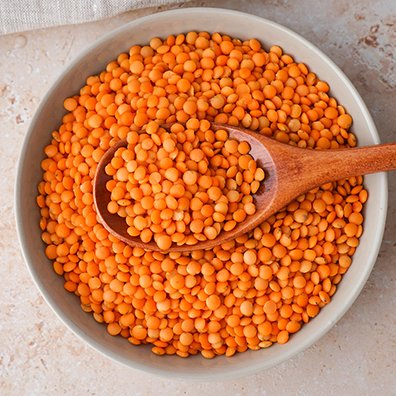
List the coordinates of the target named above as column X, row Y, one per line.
column 40, row 356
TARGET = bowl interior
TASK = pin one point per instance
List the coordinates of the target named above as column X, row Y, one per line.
column 47, row 119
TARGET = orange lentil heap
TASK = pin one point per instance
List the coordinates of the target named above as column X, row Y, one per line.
column 182, row 186
column 244, row 294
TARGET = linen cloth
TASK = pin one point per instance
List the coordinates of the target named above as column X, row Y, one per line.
column 23, row 15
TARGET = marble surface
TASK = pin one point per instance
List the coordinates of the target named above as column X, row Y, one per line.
column 40, row 356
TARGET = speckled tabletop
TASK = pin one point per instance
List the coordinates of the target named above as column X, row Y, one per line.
column 40, row 356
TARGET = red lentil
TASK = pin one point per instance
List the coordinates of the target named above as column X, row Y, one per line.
column 185, row 157
column 247, row 293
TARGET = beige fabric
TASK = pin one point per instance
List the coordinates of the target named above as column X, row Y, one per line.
column 22, row 15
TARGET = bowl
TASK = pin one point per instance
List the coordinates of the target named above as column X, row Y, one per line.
column 47, row 118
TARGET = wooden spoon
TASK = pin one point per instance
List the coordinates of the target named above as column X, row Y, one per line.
column 290, row 171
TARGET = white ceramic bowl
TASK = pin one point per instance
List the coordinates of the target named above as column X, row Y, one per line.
column 47, row 119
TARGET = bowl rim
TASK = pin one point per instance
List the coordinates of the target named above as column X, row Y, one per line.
column 22, row 232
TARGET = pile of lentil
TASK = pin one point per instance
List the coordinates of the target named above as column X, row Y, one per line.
column 182, row 186
column 247, row 293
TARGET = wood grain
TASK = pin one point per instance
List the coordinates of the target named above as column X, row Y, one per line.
column 290, row 172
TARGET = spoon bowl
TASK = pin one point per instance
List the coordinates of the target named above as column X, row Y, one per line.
column 290, row 171
column 264, row 197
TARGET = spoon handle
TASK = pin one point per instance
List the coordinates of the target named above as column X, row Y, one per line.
column 317, row 167
column 345, row 163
